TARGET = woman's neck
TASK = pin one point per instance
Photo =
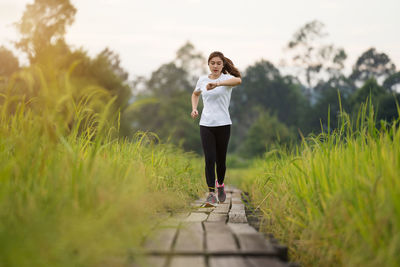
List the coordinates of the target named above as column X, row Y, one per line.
column 214, row 77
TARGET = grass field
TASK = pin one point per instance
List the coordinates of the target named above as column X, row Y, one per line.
column 71, row 192
column 74, row 194
column 335, row 201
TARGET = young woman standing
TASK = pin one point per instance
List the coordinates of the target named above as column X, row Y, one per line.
column 215, row 122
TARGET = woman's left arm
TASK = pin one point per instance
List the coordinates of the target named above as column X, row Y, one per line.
column 230, row 82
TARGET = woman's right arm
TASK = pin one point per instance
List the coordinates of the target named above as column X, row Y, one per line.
column 195, row 102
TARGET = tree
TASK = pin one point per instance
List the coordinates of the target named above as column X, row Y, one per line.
column 42, row 24
column 387, row 109
column 103, row 70
column 326, row 96
column 190, row 60
column 315, row 59
column 263, row 86
column 372, row 64
column 370, row 89
column 168, row 80
column 327, row 104
column 9, row 63
column 392, row 83
column 163, row 104
column 106, row 70
column 166, row 115
column 265, row 133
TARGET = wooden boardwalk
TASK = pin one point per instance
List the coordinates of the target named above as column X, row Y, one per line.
column 212, row 237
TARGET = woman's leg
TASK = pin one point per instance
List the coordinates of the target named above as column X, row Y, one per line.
column 222, row 139
column 208, row 143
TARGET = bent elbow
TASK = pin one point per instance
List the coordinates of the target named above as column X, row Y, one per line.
column 239, row 81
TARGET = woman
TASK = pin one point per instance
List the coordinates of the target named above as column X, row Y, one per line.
column 215, row 122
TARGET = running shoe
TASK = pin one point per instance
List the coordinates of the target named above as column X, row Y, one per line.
column 221, row 192
column 211, row 200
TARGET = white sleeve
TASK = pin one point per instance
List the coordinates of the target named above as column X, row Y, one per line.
column 198, row 85
column 227, row 77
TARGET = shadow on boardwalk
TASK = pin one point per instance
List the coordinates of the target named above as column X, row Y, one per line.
column 208, row 237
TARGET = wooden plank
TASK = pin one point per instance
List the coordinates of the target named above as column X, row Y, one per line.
column 161, row 240
column 181, row 215
column 190, row 238
column 223, row 205
column 236, row 195
column 196, row 217
column 237, row 217
column 220, row 212
column 216, row 227
column 265, row 261
column 255, row 243
column 197, row 204
column 237, row 206
column 238, row 212
column 185, row 261
column 228, row 188
column 175, row 220
column 215, row 217
column 220, row 242
column 241, row 228
column 226, row 261
column 222, row 208
column 236, row 200
column 204, row 209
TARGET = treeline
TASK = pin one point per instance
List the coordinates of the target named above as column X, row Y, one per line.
column 59, row 81
column 269, row 109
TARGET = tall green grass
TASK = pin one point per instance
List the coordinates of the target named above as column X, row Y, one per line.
column 335, row 200
column 71, row 192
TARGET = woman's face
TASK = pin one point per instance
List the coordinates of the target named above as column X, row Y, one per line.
column 216, row 64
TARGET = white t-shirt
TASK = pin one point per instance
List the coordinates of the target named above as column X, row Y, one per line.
column 216, row 101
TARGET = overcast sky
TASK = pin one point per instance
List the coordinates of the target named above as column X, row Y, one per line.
column 147, row 33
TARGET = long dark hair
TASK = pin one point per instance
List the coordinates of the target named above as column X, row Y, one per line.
column 229, row 67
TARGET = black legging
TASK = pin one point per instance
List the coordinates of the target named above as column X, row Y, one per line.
column 215, row 145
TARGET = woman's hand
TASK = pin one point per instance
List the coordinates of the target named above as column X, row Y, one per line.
column 211, row 86
column 194, row 113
